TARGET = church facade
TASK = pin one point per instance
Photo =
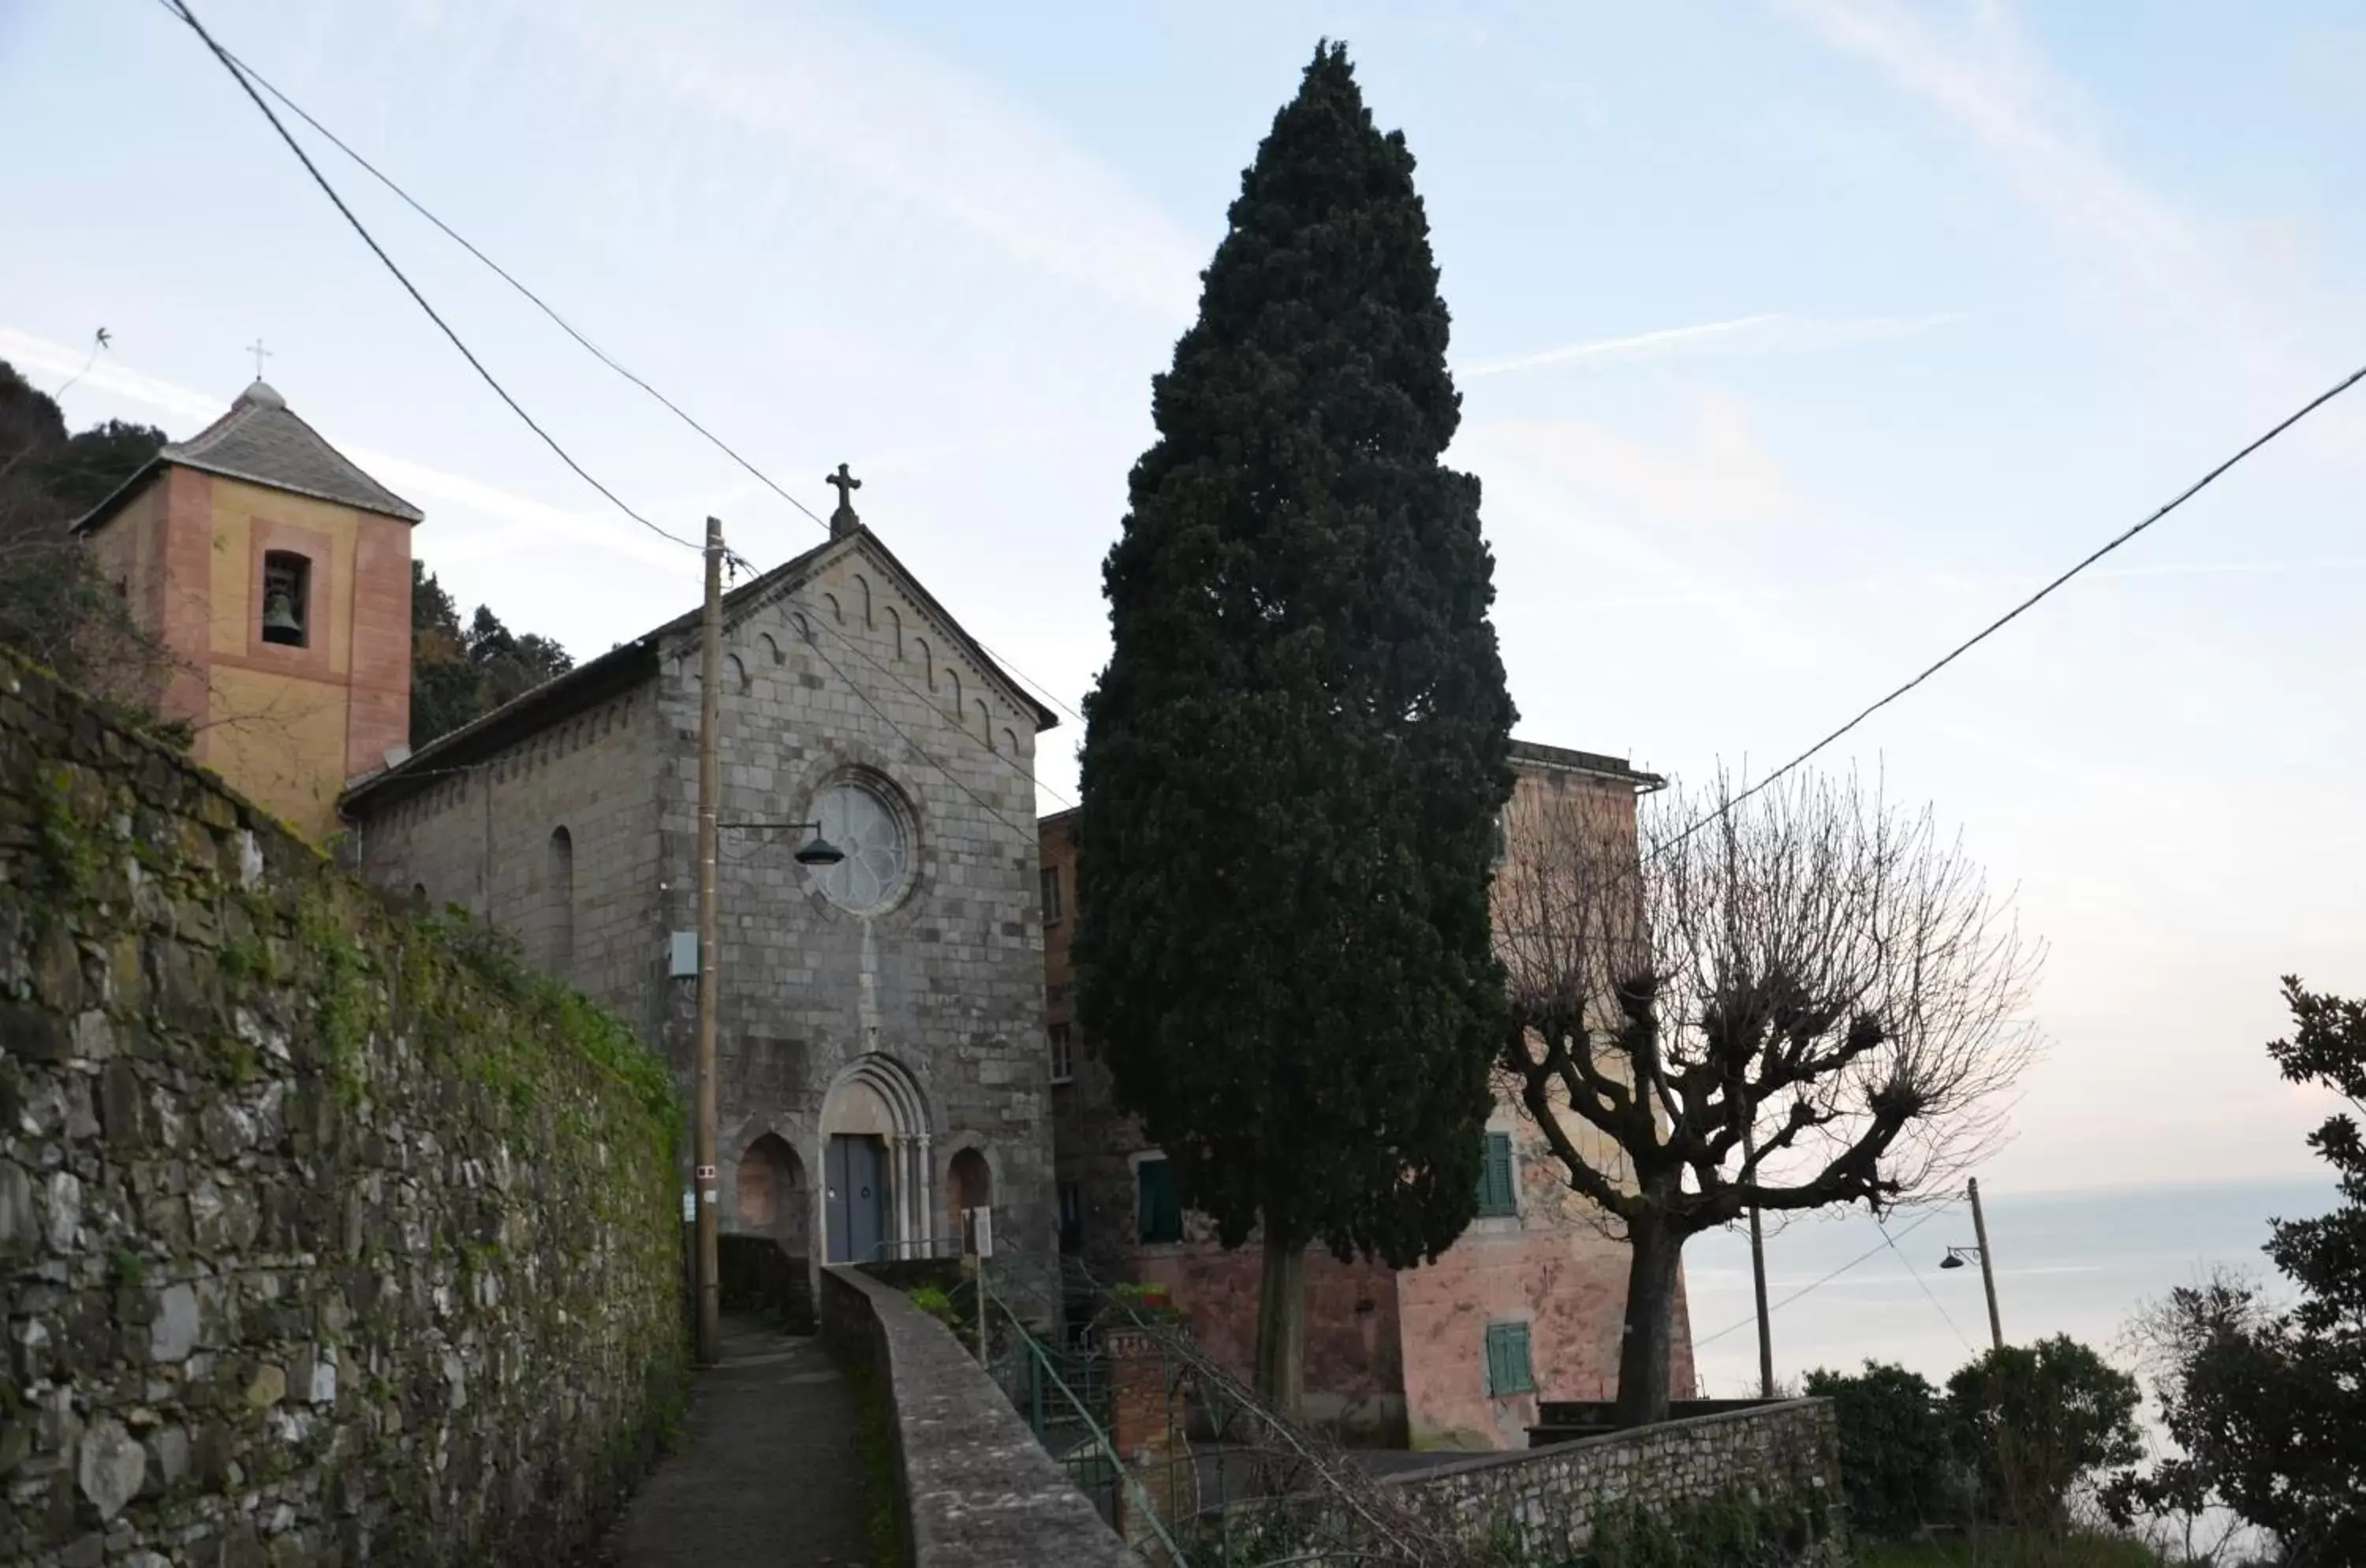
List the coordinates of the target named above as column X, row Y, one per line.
column 879, row 1036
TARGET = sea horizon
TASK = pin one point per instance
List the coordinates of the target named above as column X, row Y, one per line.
column 2080, row 1261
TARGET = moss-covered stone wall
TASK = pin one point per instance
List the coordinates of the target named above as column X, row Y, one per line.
column 328, row 1234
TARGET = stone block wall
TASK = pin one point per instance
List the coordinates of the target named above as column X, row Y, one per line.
column 327, row 1236
column 484, row 836
column 976, row 1490
column 1779, row 1461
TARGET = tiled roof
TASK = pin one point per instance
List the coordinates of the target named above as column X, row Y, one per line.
column 260, row 441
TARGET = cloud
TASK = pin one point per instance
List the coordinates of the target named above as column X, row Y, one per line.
column 886, row 116
column 1986, row 79
column 1774, row 332
column 1950, row 585
column 26, row 351
column 1718, row 471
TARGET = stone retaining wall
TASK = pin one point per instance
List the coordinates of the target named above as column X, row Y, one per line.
column 977, row 1490
column 327, row 1235
column 1779, row 1461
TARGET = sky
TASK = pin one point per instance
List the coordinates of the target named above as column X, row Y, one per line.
column 1793, row 348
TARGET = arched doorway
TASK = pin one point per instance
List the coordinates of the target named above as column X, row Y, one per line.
column 876, row 1180
column 763, row 1252
column 969, row 1184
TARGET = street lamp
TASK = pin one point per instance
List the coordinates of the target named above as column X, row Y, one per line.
column 815, row 850
column 1956, row 1256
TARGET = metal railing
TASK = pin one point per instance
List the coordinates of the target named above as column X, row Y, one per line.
column 1230, row 1484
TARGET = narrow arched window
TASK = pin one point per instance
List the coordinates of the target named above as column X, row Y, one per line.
column 560, row 920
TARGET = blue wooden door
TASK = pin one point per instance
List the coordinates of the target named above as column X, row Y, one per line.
column 857, row 1202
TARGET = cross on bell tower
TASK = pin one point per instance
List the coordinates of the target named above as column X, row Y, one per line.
column 843, row 520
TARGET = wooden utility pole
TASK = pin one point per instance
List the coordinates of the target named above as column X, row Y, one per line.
column 710, row 725
column 1758, row 1278
column 1987, row 1264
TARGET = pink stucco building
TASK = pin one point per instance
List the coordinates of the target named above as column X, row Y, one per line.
column 1525, row 1306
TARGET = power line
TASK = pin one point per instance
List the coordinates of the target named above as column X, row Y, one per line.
column 567, row 327
column 1787, row 1301
column 1935, row 1301
column 2196, row 488
column 239, row 74
column 813, row 619
column 507, row 277
column 925, row 754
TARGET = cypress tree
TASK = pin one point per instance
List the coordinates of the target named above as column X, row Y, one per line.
column 1293, row 761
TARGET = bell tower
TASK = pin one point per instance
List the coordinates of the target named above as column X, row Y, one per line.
column 276, row 577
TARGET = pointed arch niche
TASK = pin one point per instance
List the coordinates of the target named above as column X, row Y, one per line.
column 769, row 1194
column 877, row 1191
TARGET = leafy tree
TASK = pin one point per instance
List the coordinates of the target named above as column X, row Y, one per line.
column 1293, row 759
column 1796, row 999
column 2268, row 1407
column 55, row 606
column 92, row 462
column 2035, row 1420
column 458, row 675
column 1893, row 1446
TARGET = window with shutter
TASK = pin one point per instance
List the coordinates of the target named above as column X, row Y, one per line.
column 1498, row 1196
column 1507, row 1360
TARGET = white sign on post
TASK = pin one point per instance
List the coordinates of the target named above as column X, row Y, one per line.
column 689, row 1208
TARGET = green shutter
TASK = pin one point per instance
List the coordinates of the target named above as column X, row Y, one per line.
column 1507, row 1360
column 1161, row 1215
column 1496, row 1194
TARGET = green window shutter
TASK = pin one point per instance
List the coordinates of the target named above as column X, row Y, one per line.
column 1161, row 1214
column 1497, row 1197
column 1507, row 1360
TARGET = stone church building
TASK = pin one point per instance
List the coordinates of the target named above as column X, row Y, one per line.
column 880, row 1020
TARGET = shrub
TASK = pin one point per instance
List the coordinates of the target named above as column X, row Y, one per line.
column 1893, row 1445
column 2033, row 1421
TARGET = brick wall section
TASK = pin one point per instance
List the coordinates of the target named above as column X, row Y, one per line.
column 976, row 1489
column 378, row 669
column 317, row 1244
column 1782, row 1459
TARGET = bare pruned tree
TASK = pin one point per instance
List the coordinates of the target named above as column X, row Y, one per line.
column 1796, row 1001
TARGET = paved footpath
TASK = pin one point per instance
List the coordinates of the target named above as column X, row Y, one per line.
column 770, row 1473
